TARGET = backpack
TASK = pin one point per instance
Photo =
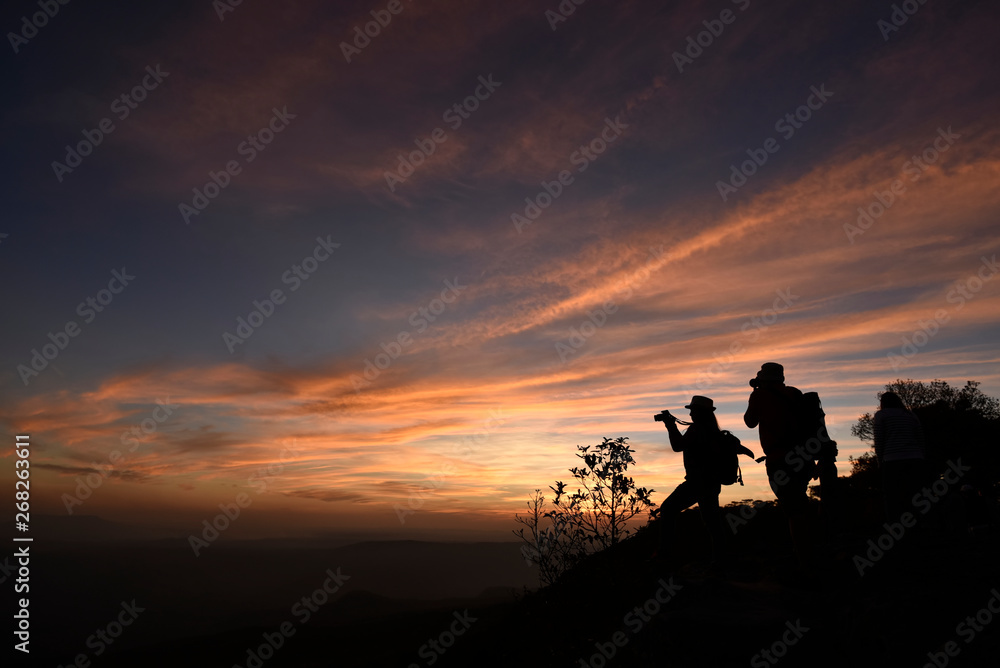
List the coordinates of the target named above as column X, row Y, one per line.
column 809, row 425
column 727, row 465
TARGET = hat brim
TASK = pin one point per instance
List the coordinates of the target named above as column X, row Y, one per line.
column 690, row 406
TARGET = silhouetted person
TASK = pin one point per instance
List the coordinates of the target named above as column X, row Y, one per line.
column 900, row 450
column 824, row 450
column 773, row 406
column 701, row 444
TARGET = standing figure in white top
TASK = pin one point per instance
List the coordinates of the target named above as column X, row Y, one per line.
column 899, row 447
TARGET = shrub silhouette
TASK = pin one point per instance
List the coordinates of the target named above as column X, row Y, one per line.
column 592, row 518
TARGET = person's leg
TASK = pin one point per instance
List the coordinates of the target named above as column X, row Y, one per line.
column 912, row 475
column 912, row 480
column 683, row 497
column 900, row 481
column 889, row 493
column 789, row 486
column 708, row 505
column 830, row 489
column 800, row 524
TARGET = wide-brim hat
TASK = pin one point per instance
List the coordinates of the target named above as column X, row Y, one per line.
column 771, row 371
column 698, row 401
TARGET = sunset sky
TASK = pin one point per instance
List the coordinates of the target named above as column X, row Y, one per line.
column 488, row 303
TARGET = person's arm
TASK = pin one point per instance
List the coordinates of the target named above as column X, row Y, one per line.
column 676, row 437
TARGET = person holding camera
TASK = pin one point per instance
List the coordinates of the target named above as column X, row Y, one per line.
column 700, row 444
column 772, row 407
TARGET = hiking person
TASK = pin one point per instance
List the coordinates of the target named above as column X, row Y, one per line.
column 772, row 406
column 702, row 445
column 824, row 450
column 899, row 448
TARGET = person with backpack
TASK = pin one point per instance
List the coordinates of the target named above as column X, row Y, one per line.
column 775, row 408
column 709, row 461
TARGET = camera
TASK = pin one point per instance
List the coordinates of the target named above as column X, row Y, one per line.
column 664, row 417
column 754, row 383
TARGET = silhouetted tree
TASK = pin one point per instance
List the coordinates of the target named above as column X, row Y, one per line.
column 864, row 475
column 918, row 396
column 552, row 548
column 592, row 518
column 957, row 423
column 865, row 465
column 608, row 498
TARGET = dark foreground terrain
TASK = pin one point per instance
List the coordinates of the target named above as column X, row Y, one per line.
column 408, row 603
